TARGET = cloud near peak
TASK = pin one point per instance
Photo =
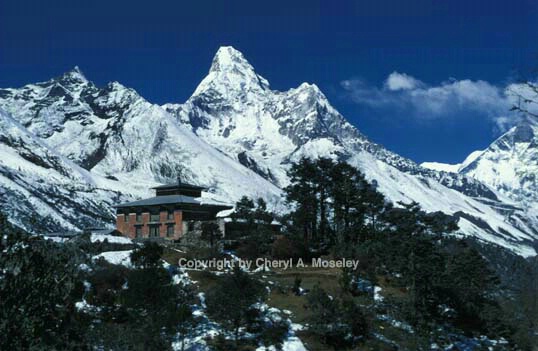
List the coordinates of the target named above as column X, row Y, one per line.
column 409, row 96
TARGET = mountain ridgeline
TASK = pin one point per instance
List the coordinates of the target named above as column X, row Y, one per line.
column 72, row 149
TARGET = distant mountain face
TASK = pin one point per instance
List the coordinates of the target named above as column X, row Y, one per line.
column 234, row 134
column 41, row 188
column 510, row 163
column 113, row 146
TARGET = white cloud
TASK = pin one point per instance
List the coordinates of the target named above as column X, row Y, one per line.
column 401, row 81
column 459, row 94
column 409, row 96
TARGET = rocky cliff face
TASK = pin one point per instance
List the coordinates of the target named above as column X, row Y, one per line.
column 237, row 136
column 117, row 142
column 510, row 163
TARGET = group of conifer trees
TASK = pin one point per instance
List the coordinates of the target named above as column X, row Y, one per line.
column 446, row 281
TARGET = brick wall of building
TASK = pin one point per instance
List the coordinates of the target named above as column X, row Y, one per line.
column 145, row 227
column 127, row 224
column 121, row 225
column 163, row 218
column 178, row 227
column 131, row 220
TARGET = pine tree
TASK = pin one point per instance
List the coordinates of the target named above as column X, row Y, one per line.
column 472, row 285
column 211, row 232
column 147, row 256
column 140, row 308
column 231, row 299
column 323, row 185
column 339, row 323
column 39, row 286
column 244, row 209
column 302, row 192
column 352, row 198
column 261, row 215
column 255, row 220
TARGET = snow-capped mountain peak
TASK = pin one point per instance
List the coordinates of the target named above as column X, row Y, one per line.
column 229, row 59
column 306, row 91
column 510, row 163
column 75, row 74
column 231, row 74
column 72, row 80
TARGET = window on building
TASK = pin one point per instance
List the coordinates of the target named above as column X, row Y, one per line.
column 170, row 230
column 170, row 216
column 191, row 225
column 155, row 218
column 153, row 231
column 138, row 232
column 139, row 217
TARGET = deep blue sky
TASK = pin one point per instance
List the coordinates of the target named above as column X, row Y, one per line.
column 164, row 48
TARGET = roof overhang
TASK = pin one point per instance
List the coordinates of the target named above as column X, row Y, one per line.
column 181, row 201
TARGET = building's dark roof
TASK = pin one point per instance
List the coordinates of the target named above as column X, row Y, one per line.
column 172, row 199
column 179, row 185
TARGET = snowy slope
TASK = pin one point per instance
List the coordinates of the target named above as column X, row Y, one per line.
column 502, row 223
column 452, row 168
column 441, row 167
column 40, row 187
column 108, row 141
column 234, row 134
column 510, row 163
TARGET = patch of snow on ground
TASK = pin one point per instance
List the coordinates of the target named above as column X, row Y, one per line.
column 292, row 343
column 377, row 294
column 116, row 257
column 396, row 323
column 297, row 327
column 97, row 238
column 86, row 307
column 182, row 278
column 56, row 239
